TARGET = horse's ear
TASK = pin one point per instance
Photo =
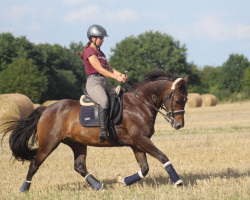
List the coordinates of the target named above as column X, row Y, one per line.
column 186, row 79
column 181, row 84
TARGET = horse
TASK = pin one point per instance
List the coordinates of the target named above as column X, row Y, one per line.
column 59, row 123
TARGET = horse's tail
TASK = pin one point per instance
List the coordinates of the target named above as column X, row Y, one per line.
column 23, row 135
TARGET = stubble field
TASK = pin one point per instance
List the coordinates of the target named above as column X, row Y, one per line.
column 211, row 154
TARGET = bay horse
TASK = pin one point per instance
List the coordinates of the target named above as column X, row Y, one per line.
column 59, row 123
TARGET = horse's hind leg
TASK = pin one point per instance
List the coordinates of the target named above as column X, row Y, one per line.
column 142, row 161
column 80, row 154
column 42, row 153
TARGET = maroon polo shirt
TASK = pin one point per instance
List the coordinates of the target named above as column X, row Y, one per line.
column 100, row 55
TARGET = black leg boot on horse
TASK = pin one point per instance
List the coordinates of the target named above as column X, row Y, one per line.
column 103, row 117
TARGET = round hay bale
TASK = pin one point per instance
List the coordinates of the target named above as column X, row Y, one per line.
column 23, row 102
column 209, row 100
column 49, row 102
column 36, row 105
column 8, row 109
column 194, row 100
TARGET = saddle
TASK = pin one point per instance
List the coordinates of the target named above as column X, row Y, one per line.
column 88, row 115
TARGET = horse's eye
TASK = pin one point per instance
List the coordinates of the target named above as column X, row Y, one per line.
column 178, row 102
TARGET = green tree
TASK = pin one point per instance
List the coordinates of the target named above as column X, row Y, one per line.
column 210, row 77
column 22, row 76
column 24, row 48
column 59, row 63
column 7, row 50
column 150, row 50
column 246, row 81
column 232, row 73
column 11, row 48
column 77, row 64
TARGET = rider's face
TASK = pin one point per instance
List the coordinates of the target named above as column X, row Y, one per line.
column 98, row 41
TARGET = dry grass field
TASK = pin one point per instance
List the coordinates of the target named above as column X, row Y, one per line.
column 211, row 154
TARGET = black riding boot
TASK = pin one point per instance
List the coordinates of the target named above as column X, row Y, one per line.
column 103, row 115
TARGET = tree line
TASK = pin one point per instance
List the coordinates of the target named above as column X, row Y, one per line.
column 40, row 71
column 52, row 72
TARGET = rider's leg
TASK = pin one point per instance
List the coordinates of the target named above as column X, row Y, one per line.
column 96, row 88
column 103, row 116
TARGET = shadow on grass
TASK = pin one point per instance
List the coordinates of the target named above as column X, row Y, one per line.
column 188, row 179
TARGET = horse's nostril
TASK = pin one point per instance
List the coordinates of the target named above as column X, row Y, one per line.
column 178, row 126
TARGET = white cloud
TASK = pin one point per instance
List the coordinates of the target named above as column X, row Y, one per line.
column 124, row 15
column 7, row 29
column 151, row 15
column 243, row 31
column 49, row 13
column 16, row 13
column 79, row 2
column 220, row 30
column 84, row 14
column 75, row 2
column 212, row 27
column 95, row 13
column 21, row 18
column 35, row 27
column 179, row 32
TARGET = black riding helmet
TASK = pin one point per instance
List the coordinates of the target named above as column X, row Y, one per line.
column 96, row 31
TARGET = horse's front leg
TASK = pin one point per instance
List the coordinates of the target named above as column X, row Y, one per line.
column 142, row 161
column 144, row 144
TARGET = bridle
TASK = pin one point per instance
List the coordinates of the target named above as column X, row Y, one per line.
column 169, row 116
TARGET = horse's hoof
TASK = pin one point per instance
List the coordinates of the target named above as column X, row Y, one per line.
column 179, row 183
column 119, row 179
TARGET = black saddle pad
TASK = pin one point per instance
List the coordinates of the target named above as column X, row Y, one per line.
column 88, row 115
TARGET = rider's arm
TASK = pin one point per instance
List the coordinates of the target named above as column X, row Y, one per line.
column 111, row 69
column 94, row 61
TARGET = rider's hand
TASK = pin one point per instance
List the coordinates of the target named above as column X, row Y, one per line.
column 122, row 78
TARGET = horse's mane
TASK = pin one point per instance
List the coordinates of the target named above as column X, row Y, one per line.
column 155, row 75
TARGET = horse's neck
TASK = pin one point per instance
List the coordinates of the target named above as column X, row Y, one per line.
column 153, row 91
column 154, row 88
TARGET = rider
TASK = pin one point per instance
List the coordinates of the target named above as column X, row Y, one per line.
column 98, row 68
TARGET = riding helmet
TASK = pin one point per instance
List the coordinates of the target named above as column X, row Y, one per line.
column 96, row 31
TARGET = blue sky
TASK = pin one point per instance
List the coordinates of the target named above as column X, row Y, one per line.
column 210, row 29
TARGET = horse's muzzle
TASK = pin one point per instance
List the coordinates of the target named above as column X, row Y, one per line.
column 176, row 124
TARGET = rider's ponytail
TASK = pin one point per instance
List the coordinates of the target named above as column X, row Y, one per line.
column 80, row 53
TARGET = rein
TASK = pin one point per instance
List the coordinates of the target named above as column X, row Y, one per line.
column 169, row 116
